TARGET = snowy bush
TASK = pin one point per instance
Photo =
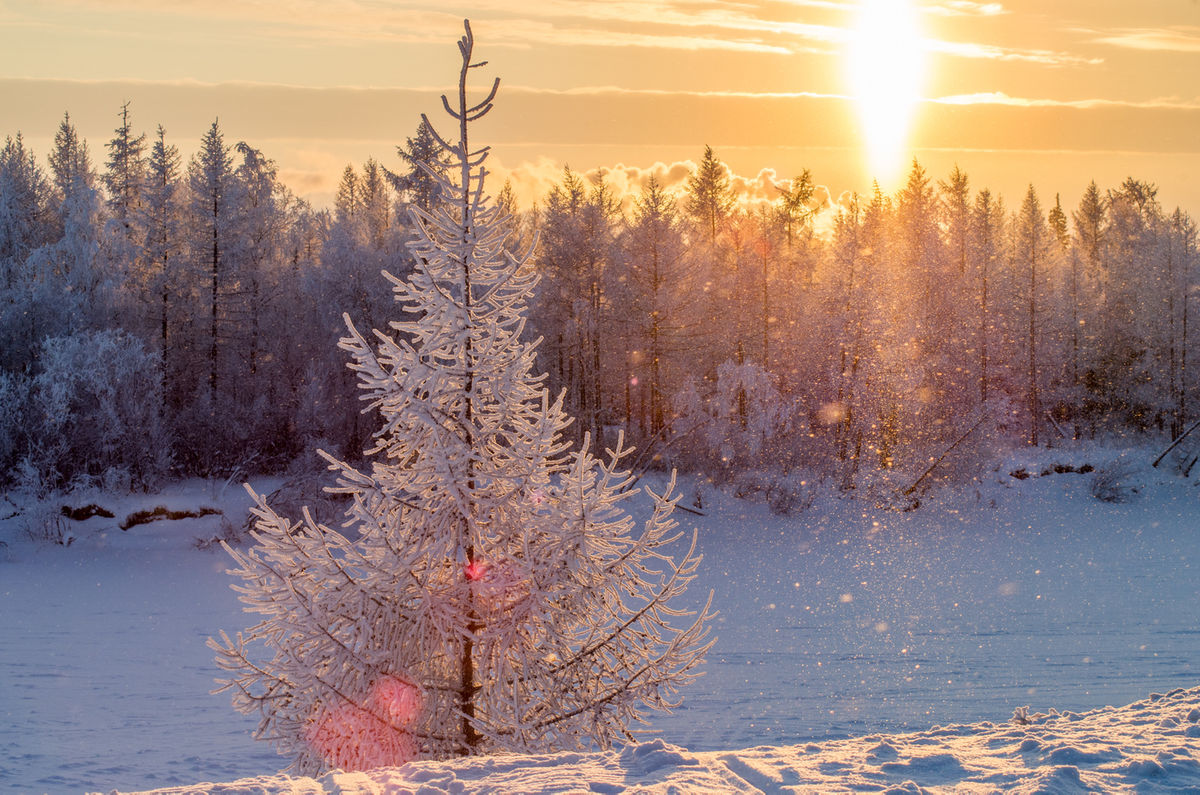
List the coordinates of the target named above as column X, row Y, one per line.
column 116, row 480
column 227, row 535
column 306, row 487
column 497, row 595
column 47, row 515
column 1115, row 482
column 94, row 407
column 14, row 410
column 737, row 422
column 791, row 493
column 43, row 521
column 784, row 493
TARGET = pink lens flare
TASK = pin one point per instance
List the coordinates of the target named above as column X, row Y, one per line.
column 474, row 570
column 537, row 497
column 498, row 587
column 351, row 737
column 397, row 699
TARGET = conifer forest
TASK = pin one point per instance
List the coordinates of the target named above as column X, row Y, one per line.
column 164, row 316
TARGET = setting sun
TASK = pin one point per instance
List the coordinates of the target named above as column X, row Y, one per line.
column 886, row 66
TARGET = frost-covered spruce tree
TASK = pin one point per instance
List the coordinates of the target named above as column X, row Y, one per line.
column 492, row 593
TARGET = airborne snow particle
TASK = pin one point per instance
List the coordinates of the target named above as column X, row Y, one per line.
column 831, row 413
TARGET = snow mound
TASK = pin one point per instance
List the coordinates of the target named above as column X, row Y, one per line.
column 1150, row 745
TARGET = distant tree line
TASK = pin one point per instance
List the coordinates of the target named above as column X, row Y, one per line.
column 726, row 336
column 163, row 318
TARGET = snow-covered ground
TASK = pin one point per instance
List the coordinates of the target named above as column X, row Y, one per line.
column 845, row 628
column 1149, row 746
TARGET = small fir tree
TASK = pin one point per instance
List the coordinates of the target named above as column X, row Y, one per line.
column 493, row 593
column 70, row 163
column 794, row 209
column 209, row 175
column 427, row 163
column 1032, row 245
column 126, row 173
column 158, row 217
column 710, row 196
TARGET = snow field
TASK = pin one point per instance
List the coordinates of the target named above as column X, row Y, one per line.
column 1148, row 746
column 846, row 619
column 838, row 624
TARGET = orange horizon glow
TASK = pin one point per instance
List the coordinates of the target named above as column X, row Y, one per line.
column 1011, row 91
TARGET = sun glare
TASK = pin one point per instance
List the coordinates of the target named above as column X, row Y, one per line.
column 886, row 67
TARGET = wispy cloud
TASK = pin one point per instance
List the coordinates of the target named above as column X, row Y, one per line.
column 965, row 8
column 611, row 23
column 779, row 27
column 598, row 90
column 530, row 33
column 995, row 53
column 1000, row 98
column 655, row 92
column 828, row 5
column 1173, row 39
column 233, row 20
column 608, row 91
column 631, row 24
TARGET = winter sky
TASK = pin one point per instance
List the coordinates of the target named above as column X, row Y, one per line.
column 1016, row 91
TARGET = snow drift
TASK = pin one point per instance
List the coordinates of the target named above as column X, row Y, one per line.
column 1150, row 745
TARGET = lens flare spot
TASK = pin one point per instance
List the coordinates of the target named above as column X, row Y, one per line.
column 372, row 734
column 475, row 570
column 499, row 588
column 399, row 700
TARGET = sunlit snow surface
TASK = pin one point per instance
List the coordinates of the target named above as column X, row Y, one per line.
column 1151, row 745
column 847, row 619
column 841, row 621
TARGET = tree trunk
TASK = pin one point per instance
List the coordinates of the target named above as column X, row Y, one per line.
column 1034, row 407
column 1177, row 420
column 466, row 686
column 766, row 308
column 163, row 340
column 983, row 332
column 1183, row 380
column 1075, row 333
column 216, row 285
column 741, row 393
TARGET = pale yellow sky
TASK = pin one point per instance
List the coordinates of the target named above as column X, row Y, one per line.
column 1053, row 93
